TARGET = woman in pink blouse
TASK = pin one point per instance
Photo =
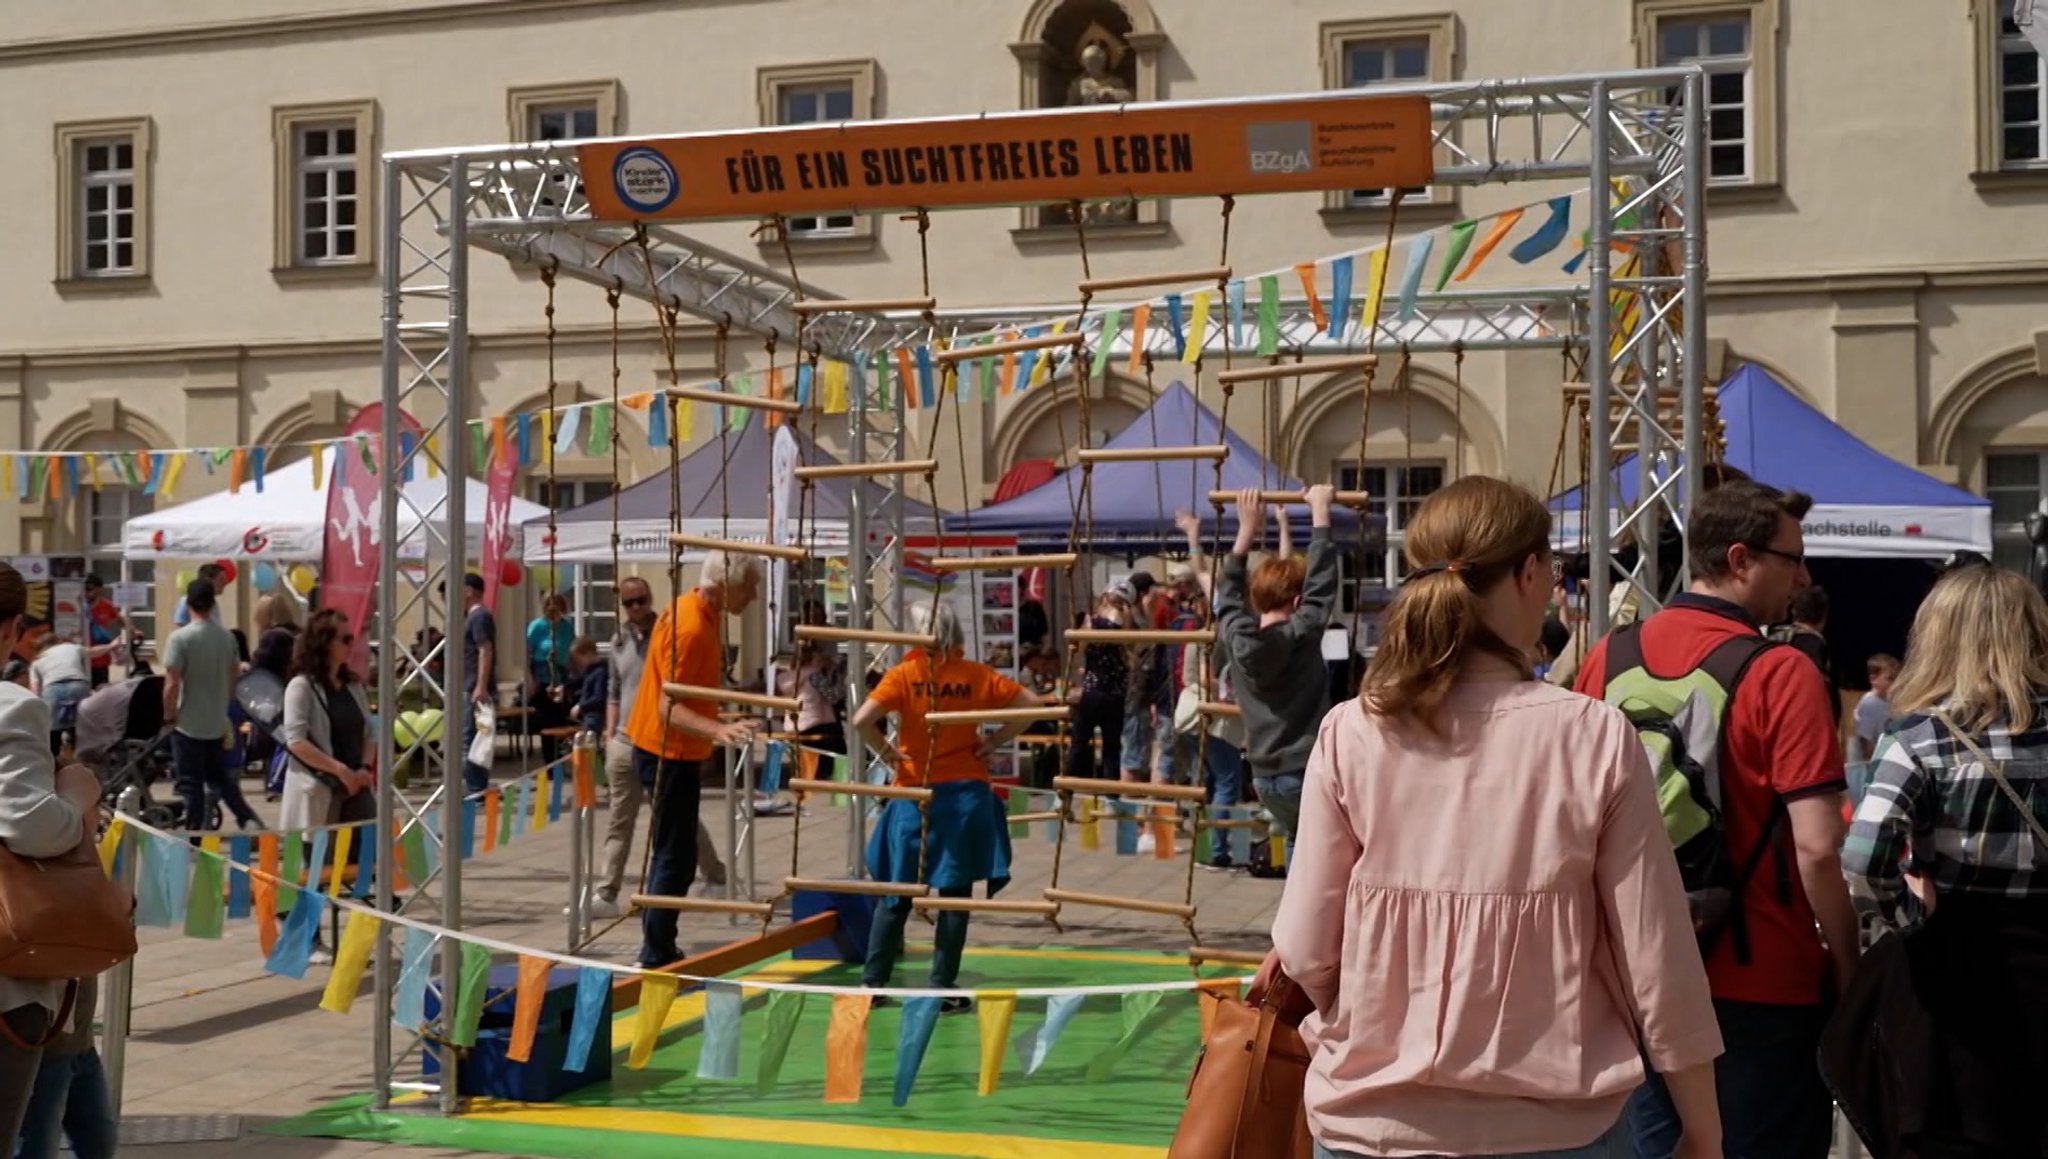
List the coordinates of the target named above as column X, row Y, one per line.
column 1513, row 940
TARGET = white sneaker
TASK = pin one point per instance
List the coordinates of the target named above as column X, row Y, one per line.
column 597, row 906
column 1147, row 843
column 321, row 956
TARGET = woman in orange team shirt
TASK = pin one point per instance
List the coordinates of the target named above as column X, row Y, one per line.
column 970, row 841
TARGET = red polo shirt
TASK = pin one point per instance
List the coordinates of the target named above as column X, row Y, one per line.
column 1778, row 742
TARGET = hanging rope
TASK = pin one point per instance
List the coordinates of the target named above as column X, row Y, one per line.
column 555, row 660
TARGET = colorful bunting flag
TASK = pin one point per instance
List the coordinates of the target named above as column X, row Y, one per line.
column 1411, row 276
column 913, row 1036
column 294, row 947
column 992, row 1011
column 1340, row 295
column 1035, row 1045
column 358, row 938
column 1269, row 315
column 1198, row 323
column 1141, row 316
column 1502, row 224
column 528, row 996
column 1233, row 296
column 205, row 903
column 600, row 442
column 785, row 1007
column 1460, row 240
column 1306, row 271
column 1176, row 328
column 1136, row 1008
column 1549, row 235
column 719, row 1058
column 657, row 994
column 1375, row 292
column 593, row 1006
column 846, row 1047
column 409, row 997
column 473, row 980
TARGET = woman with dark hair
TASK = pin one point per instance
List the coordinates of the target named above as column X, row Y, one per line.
column 326, row 727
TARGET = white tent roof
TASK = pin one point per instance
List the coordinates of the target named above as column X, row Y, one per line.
column 286, row 522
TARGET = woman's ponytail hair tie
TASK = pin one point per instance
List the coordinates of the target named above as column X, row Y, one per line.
column 1457, row 567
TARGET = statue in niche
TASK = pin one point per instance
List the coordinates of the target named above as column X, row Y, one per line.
column 1098, row 84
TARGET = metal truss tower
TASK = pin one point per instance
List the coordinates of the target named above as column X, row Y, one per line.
column 1635, row 139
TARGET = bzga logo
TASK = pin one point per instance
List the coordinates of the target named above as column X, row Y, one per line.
column 1279, row 147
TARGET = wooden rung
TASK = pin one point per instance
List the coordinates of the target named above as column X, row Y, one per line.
column 864, row 635
column 1218, row 708
column 1000, row 715
column 1233, row 823
column 861, row 305
column 1200, row 955
column 787, row 406
column 984, row 905
column 1109, row 901
column 1307, row 366
column 1032, row 818
column 709, row 905
column 1341, row 498
column 1175, row 278
column 729, row 696
column 737, row 547
column 1001, row 562
column 1202, row 636
column 849, row 470
column 851, row 885
column 1098, row 787
column 1216, row 453
column 1013, row 346
column 860, row 789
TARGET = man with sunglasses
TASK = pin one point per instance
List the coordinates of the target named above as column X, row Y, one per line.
column 1782, row 793
column 624, row 796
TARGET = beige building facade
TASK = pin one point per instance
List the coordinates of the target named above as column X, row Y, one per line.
column 194, row 202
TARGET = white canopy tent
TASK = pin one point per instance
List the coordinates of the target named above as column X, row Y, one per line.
column 286, row 522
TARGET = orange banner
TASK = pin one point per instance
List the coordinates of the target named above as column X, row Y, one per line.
column 1343, row 141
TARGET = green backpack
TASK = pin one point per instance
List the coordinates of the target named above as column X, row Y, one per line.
column 1680, row 721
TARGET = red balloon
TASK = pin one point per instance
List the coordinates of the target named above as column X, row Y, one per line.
column 510, row 573
column 227, row 569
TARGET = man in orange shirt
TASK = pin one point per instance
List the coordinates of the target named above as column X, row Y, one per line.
column 970, row 841
column 674, row 740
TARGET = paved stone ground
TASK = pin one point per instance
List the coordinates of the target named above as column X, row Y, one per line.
column 212, row 1033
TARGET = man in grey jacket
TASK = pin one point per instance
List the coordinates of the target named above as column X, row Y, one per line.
column 1272, row 629
column 43, row 813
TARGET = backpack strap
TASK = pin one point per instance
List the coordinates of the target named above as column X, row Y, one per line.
column 1726, row 665
column 1624, row 651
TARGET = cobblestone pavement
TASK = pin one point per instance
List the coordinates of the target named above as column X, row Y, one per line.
column 213, row 1033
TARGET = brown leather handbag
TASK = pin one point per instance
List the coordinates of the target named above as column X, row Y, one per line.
column 1245, row 1096
column 62, row 917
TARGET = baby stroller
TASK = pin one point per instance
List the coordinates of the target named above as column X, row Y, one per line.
column 260, row 696
column 121, row 738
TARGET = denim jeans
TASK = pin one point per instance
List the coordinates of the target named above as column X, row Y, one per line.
column 198, row 765
column 885, row 940
column 673, row 796
column 1612, row 1145
column 1281, row 797
column 70, row 1102
column 1773, row 1103
column 1137, row 741
column 1223, row 772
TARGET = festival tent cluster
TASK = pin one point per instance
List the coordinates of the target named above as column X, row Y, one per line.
column 1867, row 505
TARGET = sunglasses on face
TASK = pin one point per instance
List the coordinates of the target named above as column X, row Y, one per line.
column 637, row 601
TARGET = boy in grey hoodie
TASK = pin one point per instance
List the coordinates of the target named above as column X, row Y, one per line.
column 1272, row 629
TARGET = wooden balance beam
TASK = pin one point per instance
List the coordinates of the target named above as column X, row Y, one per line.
column 733, row 955
column 862, row 306
column 985, row 906
column 853, row 470
column 850, row 885
column 865, row 636
column 1171, row 278
column 786, row 406
column 1214, row 453
column 1097, row 787
column 1002, row 562
column 730, row 696
column 859, row 789
column 1337, row 365
column 1143, row 905
column 781, row 551
column 1341, row 498
column 1000, row 715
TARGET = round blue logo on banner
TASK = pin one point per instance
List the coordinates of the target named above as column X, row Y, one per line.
column 644, row 179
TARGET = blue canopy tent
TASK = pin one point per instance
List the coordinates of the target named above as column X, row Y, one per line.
column 1866, row 504
column 1133, row 503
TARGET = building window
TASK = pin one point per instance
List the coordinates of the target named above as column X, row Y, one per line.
column 1409, row 484
column 2013, row 483
column 326, row 158
column 2022, row 91
column 1736, row 45
column 593, row 609
column 1402, row 50
column 565, row 112
column 821, row 94
column 107, row 511
column 103, row 215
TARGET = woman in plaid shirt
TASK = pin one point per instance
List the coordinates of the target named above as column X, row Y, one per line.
column 1958, row 787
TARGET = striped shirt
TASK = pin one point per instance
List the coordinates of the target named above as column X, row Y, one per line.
column 1931, row 799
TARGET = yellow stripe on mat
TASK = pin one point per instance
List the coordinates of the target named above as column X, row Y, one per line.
column 824, row 1136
